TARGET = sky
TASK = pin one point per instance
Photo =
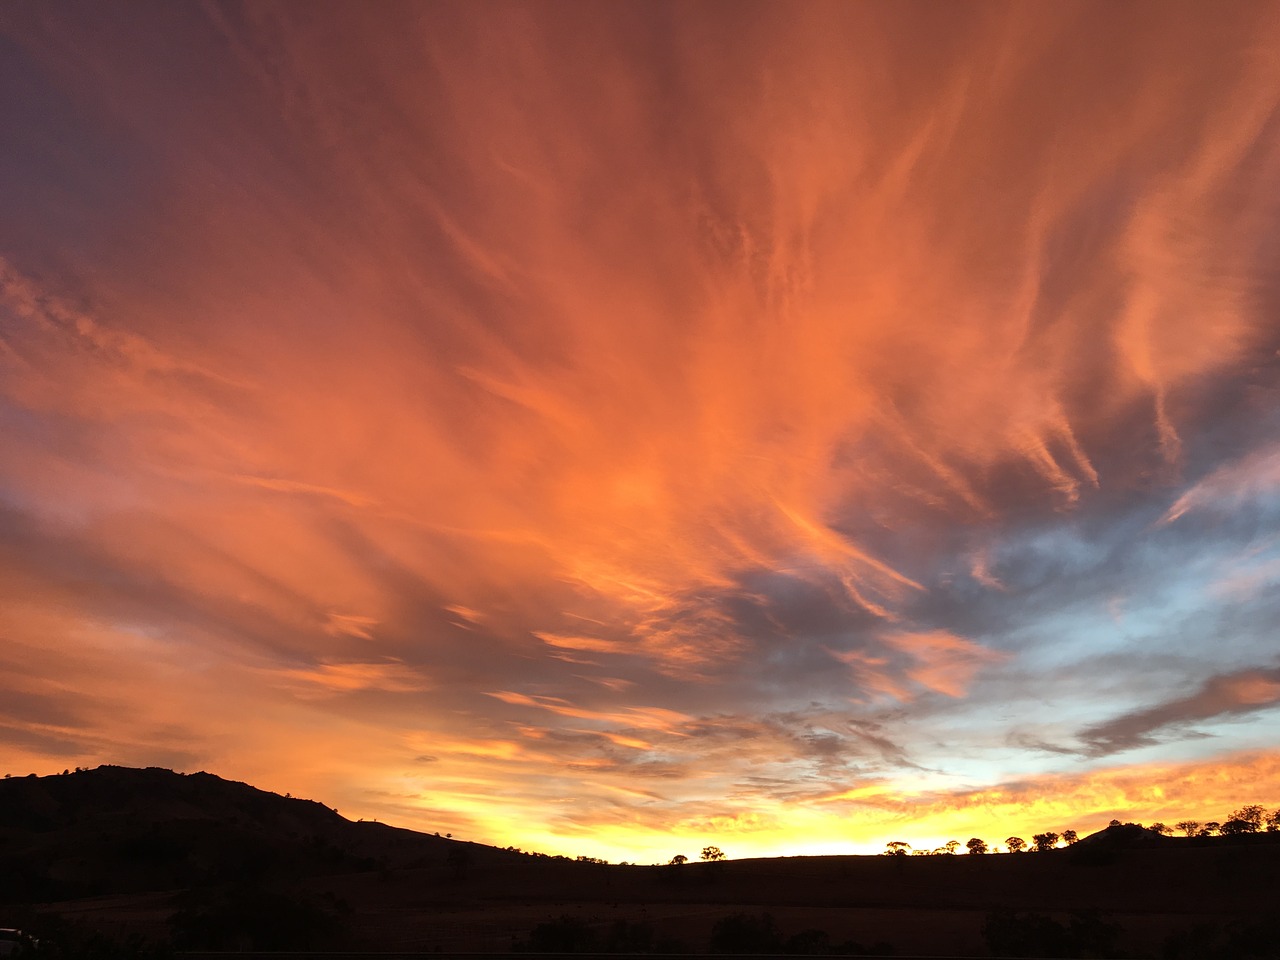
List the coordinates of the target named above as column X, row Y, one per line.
column 612, row 429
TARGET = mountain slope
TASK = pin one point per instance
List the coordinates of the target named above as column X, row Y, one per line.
column 117, row 829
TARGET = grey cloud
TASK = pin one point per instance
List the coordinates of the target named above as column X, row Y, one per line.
column 1224, row 695
column 828, row 743
column 46, row 710
column 55, row 745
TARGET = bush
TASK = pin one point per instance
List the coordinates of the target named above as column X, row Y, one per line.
column 563, row 935
column 254, row 919
column 745, row 933
column 1086, row 934
column 1257, row 939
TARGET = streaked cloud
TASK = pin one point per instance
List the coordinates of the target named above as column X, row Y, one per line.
column 1243, row 691
column 661, row 418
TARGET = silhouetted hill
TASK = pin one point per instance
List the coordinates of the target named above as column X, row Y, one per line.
column 214, row 864
column 117, row 830
column 1126, row 836
column 43, row 804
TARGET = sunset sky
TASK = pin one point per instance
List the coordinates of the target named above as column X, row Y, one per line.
column 615, row 428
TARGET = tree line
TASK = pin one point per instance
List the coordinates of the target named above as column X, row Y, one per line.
column 1252, row 818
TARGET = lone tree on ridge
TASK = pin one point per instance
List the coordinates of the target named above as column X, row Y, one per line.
column 712, row 853
column 1045, row 841
column 977, row 845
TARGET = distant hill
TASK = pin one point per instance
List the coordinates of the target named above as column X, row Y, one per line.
column 202, row 862
column 121, row 830
column 44, row 804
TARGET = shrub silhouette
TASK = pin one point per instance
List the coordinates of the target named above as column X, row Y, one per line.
column 1240, row 939
column 62, row 938
column 809, row 943
column 565, row 934
column 1085, row 934
column 745, row 933
column 625, row 936
column 245, row 918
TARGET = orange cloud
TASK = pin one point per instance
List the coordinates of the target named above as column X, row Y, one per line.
column 609, row 381
column 945, row 663
column 936, row 660
column 348, row 677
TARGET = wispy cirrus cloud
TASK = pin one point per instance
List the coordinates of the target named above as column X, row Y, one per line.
column 756, row 409
column 1254, row 477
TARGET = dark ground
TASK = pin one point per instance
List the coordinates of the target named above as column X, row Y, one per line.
column 109, row 861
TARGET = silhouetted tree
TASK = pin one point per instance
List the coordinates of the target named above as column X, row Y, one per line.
column 1251, row 816
column 679, row 858
column 1273, row 822
column 1209, row 829
column 896, row 848
column 1015, row 844
column 977, row 845
column 1190, row 827
column 1161, row 829
column 1069, row 837
column 712, row 853
column 951, row 846
column 1044, row 841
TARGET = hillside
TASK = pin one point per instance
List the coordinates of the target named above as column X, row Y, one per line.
column 209, row 863
column 121, row 830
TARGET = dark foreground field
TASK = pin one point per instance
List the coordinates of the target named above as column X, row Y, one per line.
column 119, row 862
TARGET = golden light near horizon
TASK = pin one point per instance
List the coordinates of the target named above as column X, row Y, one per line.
column 612, row 429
